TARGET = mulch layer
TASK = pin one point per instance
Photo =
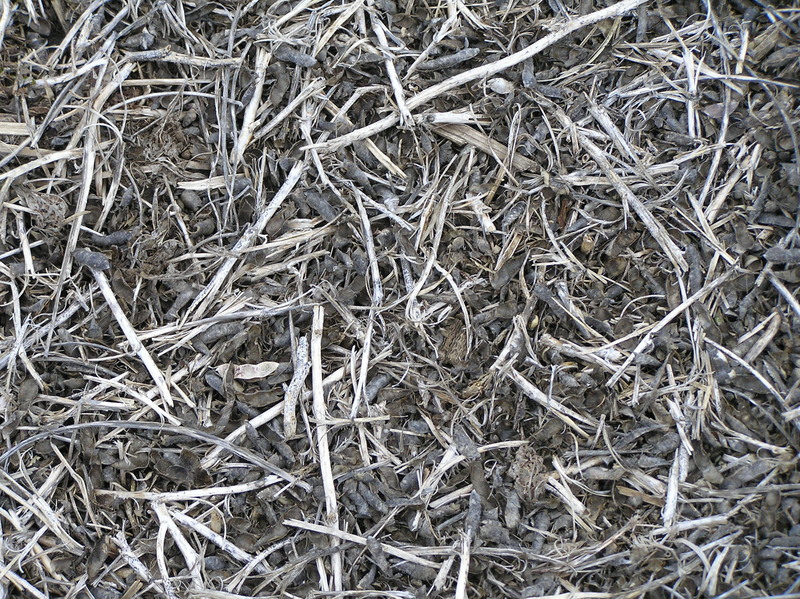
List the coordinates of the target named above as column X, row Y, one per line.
column 399, row 299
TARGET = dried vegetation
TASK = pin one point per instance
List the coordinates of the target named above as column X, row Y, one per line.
column 390, row 298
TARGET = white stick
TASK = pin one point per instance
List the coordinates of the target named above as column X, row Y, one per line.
column 218, row 540
column 346, row 536
column 190, row 556
column 131, row 336
column 302, row 365
column 248, row 122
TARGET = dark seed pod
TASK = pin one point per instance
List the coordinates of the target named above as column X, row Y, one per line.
column 783, row 256
column 450, row 60
column 288, row 54
column 94, row 260
column 115, row 238
column 474, row 512
column 378, row 555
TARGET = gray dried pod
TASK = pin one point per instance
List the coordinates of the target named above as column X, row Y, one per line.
column 94, row 260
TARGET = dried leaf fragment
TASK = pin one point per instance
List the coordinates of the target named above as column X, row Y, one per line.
column 249, row 372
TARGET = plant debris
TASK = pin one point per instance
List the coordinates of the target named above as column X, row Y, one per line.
column 382, row 299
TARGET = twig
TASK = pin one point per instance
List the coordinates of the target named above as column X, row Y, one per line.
column 132, row 337
column 219, row 541
column 346, row 536
column 321, row 415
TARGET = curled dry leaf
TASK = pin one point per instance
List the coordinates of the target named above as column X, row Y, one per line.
column 249, row 372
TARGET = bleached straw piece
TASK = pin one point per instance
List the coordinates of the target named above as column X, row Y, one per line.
column 463, row 567
column 302, row 366
column 785, row 293
column 218, row 540
column 190, row 556
column 132, row 337
column 248, row 121
column 32, row 504
column 346, row 536
column 161, row 560
column 3, row 586
column 691, row 525
column 788, row 415
column 13, row 129
column 465, row 134
column 377, row 300
column 46, row 158
column 320, row 415
column 551, row 403
column 167, row 55
column 191, row 494
column 399, row 95
column 669, row 511
column 471, row 525
column 5, row 18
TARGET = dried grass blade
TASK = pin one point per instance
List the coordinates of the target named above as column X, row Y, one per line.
column 464, row 134
column 204, row 299
column 655, row 228
column 346, row 536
